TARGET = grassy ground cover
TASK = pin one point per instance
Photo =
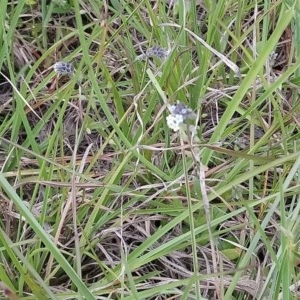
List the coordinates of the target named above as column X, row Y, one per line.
column 149, row 149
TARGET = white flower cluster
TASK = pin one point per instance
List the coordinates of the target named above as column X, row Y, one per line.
column 174, row 121
column 179, row 114
column 64, row 68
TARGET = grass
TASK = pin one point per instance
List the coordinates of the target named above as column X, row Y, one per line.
column 100, row 199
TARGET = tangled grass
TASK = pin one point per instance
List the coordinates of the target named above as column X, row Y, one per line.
column 149, row 149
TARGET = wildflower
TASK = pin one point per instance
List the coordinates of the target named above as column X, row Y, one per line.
column 180, row 113
column 64, row 68
column 182, row 109
column 174, row 121
column 157, row 51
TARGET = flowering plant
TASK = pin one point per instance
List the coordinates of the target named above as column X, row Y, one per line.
column 179, row 114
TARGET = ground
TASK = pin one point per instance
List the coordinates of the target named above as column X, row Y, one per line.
column 149, row 149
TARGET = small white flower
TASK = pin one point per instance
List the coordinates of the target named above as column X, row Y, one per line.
column 179, row 114
column 64, row 68
column 174, row 121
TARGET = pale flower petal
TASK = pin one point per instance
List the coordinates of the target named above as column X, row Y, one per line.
column 174, row 121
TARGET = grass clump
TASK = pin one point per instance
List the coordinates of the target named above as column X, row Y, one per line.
column 149, row 150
